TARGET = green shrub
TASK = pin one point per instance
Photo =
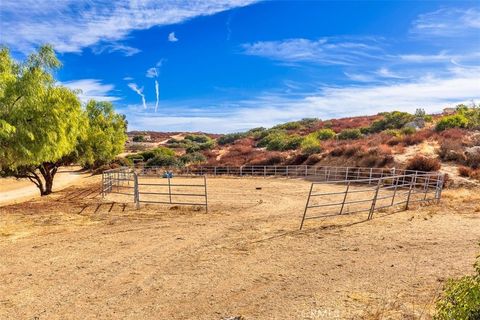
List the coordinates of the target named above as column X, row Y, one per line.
column 310, row 144
column 293, row 125
column 408, row 130
column 461, row 298
column 393, row 132
column 194, row 157
column 325, row 134
column 160, row 156
column 391, row 120
column 136, row 156
column 138, row 139
column 453, row 121
column 199, row 138
column 231, row 138
column 349, row 134
column 280, row 141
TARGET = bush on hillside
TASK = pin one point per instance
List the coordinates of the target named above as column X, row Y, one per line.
column 391, row 120
column 293, row 125
column 422, row 163
column 324, row 134
column 451, row 150
column 408, row 130
column 280, row 141
column 193, row 158
column 350, row 134
column 311, row 145
column 461, row 298
column 138, row 139
column 453, row 121
column 231, row 138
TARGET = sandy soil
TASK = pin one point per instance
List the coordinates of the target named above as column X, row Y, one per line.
column 70, row 256
column 17, row 190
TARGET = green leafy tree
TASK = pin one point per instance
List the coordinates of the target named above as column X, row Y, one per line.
column 106, row 135
column 40, row 121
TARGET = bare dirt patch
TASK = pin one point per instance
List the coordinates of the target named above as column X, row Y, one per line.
column 70, row 256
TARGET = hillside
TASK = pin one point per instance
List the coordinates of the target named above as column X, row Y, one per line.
column 382, row 140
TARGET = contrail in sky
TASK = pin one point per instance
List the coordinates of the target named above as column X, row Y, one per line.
column 157, row 93
column 138, row 90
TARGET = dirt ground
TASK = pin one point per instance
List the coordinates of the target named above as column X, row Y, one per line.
column 72, row 256
column 14, row 190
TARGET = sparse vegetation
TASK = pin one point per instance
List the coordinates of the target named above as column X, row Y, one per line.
column 349, row 134
column 461, row 298
column 422, row 163
column 310, row 144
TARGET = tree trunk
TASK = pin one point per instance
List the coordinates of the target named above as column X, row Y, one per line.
column 48, row 171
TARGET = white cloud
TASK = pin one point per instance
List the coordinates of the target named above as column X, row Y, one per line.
column 139, row 91
column 447, row 22
column 116, row 47
column 127, row 78
column 92, row 89
column 71, row 25
column 172, row 37
column 152, row 73
column 326, row 51
column 431, row 93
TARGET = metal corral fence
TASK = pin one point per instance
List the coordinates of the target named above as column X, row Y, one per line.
column 358, row 196
column 144, row 187
column 323, row 173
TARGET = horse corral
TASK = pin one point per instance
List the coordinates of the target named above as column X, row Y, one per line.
column 355, row 190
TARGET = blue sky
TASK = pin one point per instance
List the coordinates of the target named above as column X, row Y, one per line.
column 225, row 66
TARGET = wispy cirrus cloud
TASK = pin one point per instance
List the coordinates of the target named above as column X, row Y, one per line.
column 71, row 25
column 92, row 89
column 447, row 22
column 116, row 47
column 325, row 51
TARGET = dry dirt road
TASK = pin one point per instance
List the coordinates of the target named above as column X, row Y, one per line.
column 67, row 257
column 16, row 190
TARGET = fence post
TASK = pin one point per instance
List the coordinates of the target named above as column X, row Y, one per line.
column 345, row 198
column 410, row 190
column 136, row 192
column 346, row 174
column 394, row 191
column 264, row 171
column 370, row 178
column 440, row 187
column 306, row 206
column 103, row 185
column 306, row 170
column 427, row 185
column 374, row 200
column 206, row 197
column 169, row 190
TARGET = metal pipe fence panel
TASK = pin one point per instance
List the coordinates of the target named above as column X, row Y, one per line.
column 384, row 192
column 145, row 187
